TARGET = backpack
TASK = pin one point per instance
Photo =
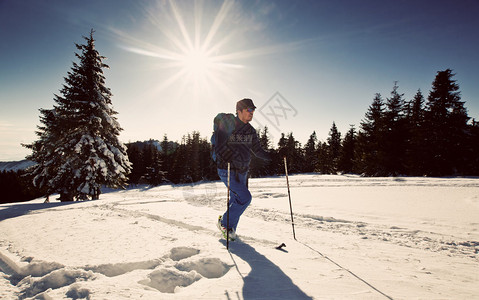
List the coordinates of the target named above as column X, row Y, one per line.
column 222, row 122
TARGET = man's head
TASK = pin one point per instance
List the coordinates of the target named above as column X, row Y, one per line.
column 245, row 109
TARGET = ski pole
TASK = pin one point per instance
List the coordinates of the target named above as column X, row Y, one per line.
column 228, row 211
column 289, row 195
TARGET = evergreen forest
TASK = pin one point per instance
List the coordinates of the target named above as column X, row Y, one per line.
column 431, row 136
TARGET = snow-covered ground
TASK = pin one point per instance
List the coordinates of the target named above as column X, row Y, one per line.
column 357, row 238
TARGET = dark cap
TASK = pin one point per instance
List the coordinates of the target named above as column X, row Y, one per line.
column 245, row 103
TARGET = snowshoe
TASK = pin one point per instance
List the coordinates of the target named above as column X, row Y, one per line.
column 231, row 234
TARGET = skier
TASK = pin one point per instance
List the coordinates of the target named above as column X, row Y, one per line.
column 233, row 141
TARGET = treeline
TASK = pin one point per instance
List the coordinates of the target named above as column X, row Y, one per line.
column 187, row 161
column 17, row 186
column 431, row 136
column 416, row 137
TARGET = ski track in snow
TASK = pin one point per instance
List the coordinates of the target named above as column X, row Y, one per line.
column 181, row 266
column 406, row 237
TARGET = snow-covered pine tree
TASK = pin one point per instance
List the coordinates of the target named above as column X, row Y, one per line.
column 78, row 149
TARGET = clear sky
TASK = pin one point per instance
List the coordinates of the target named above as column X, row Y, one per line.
column 175, row 64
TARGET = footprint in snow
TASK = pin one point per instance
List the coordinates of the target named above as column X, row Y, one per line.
column 185, row 273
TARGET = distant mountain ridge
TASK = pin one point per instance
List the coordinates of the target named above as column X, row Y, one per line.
column 15, row 165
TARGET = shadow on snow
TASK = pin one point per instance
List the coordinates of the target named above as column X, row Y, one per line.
column 8, row 211
column 265, row 280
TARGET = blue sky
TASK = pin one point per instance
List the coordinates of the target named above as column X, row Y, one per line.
column 175, row 64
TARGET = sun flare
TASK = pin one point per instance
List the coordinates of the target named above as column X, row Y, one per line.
column 197, row 64
column 191, row 51
column 194, row 48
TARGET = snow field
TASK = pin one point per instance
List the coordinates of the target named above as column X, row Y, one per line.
column 357, row 238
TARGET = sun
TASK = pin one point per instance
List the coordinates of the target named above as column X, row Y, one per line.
column 198, row 69
column 197, row 63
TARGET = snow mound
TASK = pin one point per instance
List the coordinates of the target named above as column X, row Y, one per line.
column 39, row 268
column 207, row 267
column 20, row 270
column 32, row 286
column 183, row 273
column 76, row 292
column 112, row 270
column 180, row 253
column 167, row 280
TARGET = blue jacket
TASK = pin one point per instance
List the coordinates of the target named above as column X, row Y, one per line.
column 235, row 141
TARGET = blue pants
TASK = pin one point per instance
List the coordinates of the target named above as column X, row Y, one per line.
column 240, row 197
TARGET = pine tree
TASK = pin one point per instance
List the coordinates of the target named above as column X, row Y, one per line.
column 310, row 153
column 446, row 121
column 280, row 153
column 78, row 149
column 416, row 134
column 154, row 174
column 294, row 155
column 46, row 153
column 324, row 163
column 135, row 156
column 348, row 149
column 371, row 150
column 473, row 149
column 265, row 142
column 207, row 166
column 282, row 145
column 394, row 136
column 179, row 168
column 334, row 148
column 291, row 149
column 193, row 155
column 166, row 151
column 264, row 139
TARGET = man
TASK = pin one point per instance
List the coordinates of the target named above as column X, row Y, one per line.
column 234, row 141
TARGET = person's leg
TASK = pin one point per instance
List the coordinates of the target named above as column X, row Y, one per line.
column 240, row 197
